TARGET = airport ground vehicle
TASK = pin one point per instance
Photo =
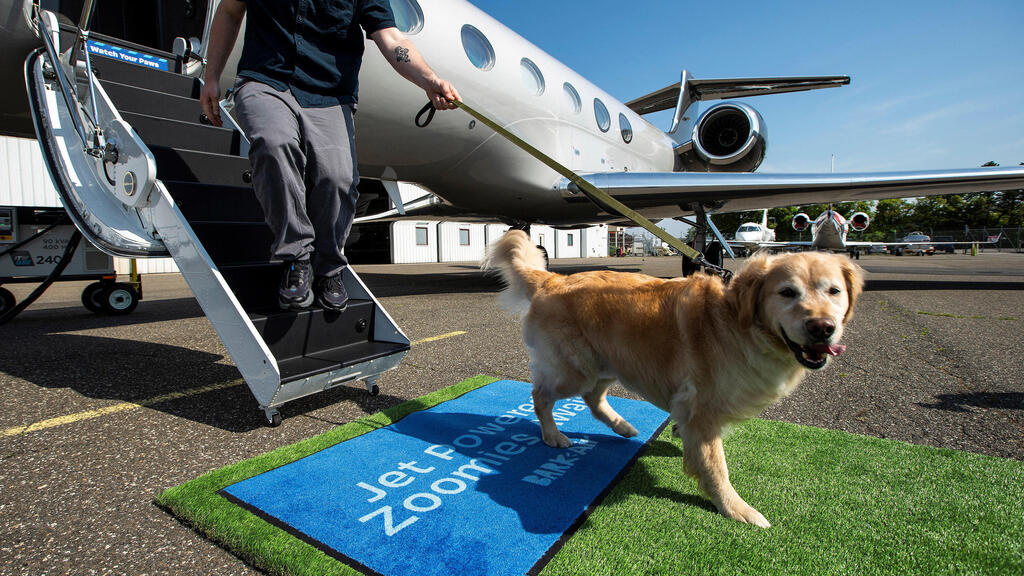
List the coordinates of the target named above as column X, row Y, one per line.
column 919, row 243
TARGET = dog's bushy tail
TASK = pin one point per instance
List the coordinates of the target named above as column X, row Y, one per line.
column 520, row 264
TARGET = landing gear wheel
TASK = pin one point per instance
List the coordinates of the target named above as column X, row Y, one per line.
column 272, row 416
column 374, row 390
column 544, row 251
column 119, row 299
column 689, row 267
column 7, row 301
column 91, row 297
column 714, row 253
column 371, row 386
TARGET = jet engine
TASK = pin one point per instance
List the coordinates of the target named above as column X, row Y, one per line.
column 727, row 137
column 801, row 222
column 859, row 221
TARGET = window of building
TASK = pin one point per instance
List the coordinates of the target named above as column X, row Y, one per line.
column 408, row 16
column 572, row 98
column 626, row 128
column 569, row 240
column 477, row 48
column 422, row 236
column 533, row 80
column 604, row 120
column 463, row 236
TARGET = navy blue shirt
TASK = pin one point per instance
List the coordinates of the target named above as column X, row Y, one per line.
column 312, row 47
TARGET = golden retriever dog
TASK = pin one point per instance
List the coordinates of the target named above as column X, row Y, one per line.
column 707, row 353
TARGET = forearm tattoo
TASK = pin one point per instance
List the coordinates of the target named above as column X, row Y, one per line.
column 401, row 54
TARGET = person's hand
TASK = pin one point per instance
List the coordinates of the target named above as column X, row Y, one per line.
column 209, row 98
column 442, row 94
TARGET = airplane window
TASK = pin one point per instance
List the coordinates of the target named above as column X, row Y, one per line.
column 408, row 16
column 477, row 48
column 572, row 98
column 604, row 121
column 532, row 78
column 626, row 128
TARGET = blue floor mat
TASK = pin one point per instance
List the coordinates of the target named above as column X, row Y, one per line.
column 466, row 487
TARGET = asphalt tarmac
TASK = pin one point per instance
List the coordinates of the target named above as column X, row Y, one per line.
column 101, row 413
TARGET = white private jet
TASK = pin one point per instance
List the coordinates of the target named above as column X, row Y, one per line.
column 702, row 164
column 750, row 235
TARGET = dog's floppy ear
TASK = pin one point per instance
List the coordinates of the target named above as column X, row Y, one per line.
column 745, row 289
column 854, row 277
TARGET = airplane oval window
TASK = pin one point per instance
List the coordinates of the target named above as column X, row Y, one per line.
column 604, row 120
column 626, row 128
column 408, row 15
column 477, row 48
column 533, row 80
column 572, row 98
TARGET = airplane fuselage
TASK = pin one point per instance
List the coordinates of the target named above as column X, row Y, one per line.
column 469, row 165
column 829, row 231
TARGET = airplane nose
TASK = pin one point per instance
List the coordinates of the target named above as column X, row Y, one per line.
column 820, row 328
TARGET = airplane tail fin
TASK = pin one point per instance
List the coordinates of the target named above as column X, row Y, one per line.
column 688, row 90
column 521, row 265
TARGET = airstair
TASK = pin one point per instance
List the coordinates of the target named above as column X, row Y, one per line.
column 142, row 173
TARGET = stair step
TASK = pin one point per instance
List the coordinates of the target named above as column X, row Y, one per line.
column 152, row 103
column 342, row 357
column 201, row 202
column 292, row 334
column 184, row 166
column 253, row 283
column 148, row 78
column 157, row 131
column 235, row 242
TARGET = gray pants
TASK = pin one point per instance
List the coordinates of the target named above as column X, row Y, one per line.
column 304, row 173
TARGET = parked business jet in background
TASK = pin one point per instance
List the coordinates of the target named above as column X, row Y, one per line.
column 703, row 163
column 755, row 232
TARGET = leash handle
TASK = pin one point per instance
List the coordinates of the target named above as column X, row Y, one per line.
column 429, row 111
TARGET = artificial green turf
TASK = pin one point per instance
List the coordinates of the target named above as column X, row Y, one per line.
column 838, row 503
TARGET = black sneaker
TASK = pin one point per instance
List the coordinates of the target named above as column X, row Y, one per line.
column 331, row 293
column 294, row 291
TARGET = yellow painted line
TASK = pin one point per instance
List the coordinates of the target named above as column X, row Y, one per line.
column 440, row 337
column 90, row 414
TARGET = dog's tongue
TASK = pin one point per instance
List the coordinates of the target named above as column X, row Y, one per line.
column 830, row 349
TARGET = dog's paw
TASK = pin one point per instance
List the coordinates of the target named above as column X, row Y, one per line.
column 746, row 513
column 557, row 440
column 625, row 429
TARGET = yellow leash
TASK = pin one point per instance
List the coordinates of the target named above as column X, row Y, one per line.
column 599, row 197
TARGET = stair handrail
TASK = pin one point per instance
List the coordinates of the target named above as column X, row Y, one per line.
column 70, row 97
column 83, row 31
column 97, row 146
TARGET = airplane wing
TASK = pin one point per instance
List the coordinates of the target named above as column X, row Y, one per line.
column 759, row 245
column 735, row 192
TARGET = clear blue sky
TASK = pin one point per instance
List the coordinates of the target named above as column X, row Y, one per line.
column 935, row 84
